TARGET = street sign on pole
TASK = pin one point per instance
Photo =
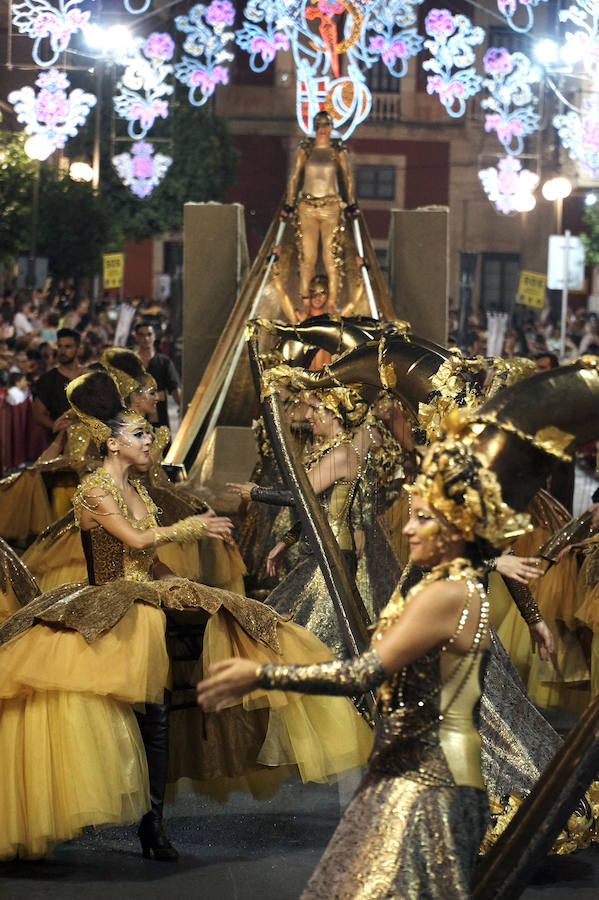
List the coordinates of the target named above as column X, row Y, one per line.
column 531, row 289
column 565, row 252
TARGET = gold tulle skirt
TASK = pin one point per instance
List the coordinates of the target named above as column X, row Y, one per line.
column 24, row 506
column 63, row 768
column 60, row 560
column 269, row 735
column 71, row 749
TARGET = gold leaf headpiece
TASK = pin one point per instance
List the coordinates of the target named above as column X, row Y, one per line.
column 125, row 383
column 98, row 429
column 455, row 482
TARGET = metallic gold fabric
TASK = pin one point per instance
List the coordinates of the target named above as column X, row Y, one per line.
column 412, row 831
column 348, row 677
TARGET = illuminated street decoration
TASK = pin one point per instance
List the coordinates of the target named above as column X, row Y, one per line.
column 509, row 187
column 511, row 100
column 451, row 39
column 141, row 170
column 136, row 10
column 579, row 133
column 206, row 64
column 143, row 86
column 51, row 112
column 49, row 25
column 522, row 10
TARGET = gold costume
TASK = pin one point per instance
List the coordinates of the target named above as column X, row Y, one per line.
column 415, row 823
column 314, row 187
column 74, row 660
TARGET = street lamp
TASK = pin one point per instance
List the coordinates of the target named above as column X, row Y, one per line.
column 556, row 190
column 37, row 148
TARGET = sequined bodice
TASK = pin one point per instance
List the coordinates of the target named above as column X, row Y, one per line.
column 320, row 173
column 433, row 703
column 106, row 556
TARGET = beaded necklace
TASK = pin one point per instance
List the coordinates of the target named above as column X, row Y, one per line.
column 457, row 570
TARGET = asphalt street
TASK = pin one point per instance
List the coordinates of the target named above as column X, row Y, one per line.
column 241, row 850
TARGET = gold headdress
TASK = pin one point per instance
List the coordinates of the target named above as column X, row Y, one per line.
column 95, row 394
column 456, row 483
column 491, row 461
column 345, row 402
column 127, row 370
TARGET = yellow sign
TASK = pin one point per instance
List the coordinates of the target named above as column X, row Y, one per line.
column 114, row 264
column 531, row 289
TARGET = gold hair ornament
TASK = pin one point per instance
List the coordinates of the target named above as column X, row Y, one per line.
column 98, row 429
column 455, row 482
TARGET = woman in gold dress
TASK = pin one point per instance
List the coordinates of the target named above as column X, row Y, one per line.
column 347, row 440
column 56, row 556
column 75, row 661
column 414, row 827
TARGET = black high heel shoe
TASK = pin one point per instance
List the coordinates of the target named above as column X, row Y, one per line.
column 154, row 840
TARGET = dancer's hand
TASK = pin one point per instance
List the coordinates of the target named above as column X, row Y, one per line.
column 219, row 527
column 228, row 681
column 520, row 568
column 274, row 560
column 243, row 490
column 542, row 640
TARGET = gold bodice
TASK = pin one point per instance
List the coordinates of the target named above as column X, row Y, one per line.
column 339, row 510
column 106, row 556
column 320, row 173
column 433, row 702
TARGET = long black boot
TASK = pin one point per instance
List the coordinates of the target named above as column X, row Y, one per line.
column 153, row 725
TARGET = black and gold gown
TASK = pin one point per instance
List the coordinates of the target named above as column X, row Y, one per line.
column 349, row 507
column 414, row 827
column 56, row 556
column 75, row 660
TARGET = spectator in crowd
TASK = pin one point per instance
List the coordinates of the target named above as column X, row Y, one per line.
column 7, row 329
column 21, row 362
column 93, row 347
column 160, row 367
column 49, row 329
column 23, row 320
column 545, row 361
column 77, row 317
column 18, row 388
column 50, row 402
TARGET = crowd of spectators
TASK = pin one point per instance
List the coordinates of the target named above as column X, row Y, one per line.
column 530, row 334
column 48, row 337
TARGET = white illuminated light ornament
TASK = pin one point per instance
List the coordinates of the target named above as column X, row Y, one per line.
column 509, row 187
column 320, row 34
column 44, row 22
column 509, row 80
column 519, row 10
column 143, row 87
column 557, row 188
column 52, row 113
column 451, row 39
column 81, row 171
column 141, row 170
column 38, row 147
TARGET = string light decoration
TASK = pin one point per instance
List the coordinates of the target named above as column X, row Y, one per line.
column 51, row 113
column 143, row 86
column 334, row 44
column 511, row 100
column 206, row 42
column 50, row 27
column 522, row 10
column 508, row 186
column 142, row 169
column 450, row 43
